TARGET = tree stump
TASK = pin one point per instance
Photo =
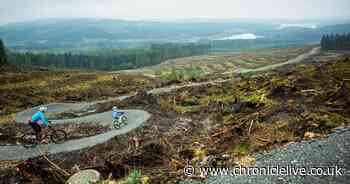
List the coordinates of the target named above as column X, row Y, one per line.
column 85, row 176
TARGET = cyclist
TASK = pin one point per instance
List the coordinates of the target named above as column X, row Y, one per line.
column 37, row 119
column 115, row 113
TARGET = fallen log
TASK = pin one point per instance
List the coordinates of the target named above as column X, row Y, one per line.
column 308, row 90
column 53, row 164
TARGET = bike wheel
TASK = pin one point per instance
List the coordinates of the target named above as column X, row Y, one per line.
column 116, row 124
column 124, row 119
column 58, row 136
column 29, row 140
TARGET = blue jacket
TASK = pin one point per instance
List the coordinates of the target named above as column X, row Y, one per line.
column 116, row 114
column 40, row 116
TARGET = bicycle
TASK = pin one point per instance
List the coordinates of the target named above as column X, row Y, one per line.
column 120, row 121
column 57, row 136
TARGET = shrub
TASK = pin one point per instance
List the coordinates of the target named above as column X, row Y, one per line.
column 134, row 177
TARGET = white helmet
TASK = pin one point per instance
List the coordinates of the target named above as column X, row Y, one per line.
column 43, row 109
column 115, row 108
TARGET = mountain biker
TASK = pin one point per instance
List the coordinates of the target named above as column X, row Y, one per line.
column 115, row 113
column 37, row 119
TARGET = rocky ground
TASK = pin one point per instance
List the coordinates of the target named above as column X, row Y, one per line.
column 331, row 152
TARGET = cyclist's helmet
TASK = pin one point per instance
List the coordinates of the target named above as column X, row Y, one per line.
column 43, row 109
column 115, row 108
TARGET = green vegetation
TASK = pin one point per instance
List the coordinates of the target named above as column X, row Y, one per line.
column 258, row 97
column 174, row 74
column 3, row 56
column 336, row 42
column 134, row 177
column 328, row 120
column 240, row 150
column 117, row 59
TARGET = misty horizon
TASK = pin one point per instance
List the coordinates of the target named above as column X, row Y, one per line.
column 156, row 10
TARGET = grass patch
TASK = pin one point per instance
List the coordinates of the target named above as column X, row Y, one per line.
column 258, row 97
column 179, row 74
column 240, row 150
column 187, row 109
column 7, row 118
column 328, row 120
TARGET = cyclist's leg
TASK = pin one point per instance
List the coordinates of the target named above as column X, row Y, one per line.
column 37, row 130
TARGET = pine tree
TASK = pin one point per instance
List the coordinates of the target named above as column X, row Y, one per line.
column 3, row 56
column 323, row 40
column 336, row 42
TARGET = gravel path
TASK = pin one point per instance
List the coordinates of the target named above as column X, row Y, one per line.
column 330, row 152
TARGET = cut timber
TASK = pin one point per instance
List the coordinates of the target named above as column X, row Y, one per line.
column 53, row 164
column 250, row 127
column 308, row 90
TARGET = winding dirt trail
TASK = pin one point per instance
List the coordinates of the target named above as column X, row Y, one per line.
column 135, row 118
column 18, row 152
column 298, row 59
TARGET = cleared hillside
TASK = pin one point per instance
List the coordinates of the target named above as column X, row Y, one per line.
column 221, row 62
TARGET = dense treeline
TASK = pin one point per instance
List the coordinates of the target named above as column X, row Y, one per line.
column 3, row 56
column 336, row 42
column 156, row 54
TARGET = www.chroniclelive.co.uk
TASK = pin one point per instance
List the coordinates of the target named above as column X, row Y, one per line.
column 273, row 171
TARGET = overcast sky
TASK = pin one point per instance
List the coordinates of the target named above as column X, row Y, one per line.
column 20, row 10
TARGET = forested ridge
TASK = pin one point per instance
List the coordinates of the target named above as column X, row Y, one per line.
column 3, row 56
column 111, row 60
column 336, row 42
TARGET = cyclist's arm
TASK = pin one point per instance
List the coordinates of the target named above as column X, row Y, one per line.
column 115, row 114
column 44, row 120
column 35, row 117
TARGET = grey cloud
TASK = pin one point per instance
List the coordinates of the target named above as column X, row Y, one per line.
column 18, row 10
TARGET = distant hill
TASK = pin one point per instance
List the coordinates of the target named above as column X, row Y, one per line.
column 80, row 31
column 307, row 34
column 72, row 33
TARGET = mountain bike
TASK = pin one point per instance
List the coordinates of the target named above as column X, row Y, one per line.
column 120, row 121
column 57, row 136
